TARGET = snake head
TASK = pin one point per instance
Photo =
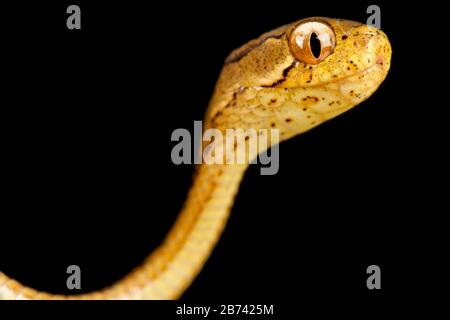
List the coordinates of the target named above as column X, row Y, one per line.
column 348, row 55
column 300, row 75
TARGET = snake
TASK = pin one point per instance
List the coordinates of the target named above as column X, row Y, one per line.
column 291, row 79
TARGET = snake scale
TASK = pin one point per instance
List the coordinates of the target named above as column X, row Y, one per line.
column 275, row 81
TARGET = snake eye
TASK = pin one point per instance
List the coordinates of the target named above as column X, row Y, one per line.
column 311, row 42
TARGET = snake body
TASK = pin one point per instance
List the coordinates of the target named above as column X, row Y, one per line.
column 270, row 82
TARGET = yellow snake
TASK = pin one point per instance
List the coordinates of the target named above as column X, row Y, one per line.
column 275, row 81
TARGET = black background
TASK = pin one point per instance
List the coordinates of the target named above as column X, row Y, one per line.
column 86, row 119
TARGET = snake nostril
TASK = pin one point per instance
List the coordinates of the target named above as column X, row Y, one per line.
column 380, row 60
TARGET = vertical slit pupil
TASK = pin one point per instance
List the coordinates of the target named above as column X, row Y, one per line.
column 314, row 43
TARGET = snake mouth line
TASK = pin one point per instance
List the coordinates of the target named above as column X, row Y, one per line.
column 362, row 72
column 380, row 62
column 277, row 84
